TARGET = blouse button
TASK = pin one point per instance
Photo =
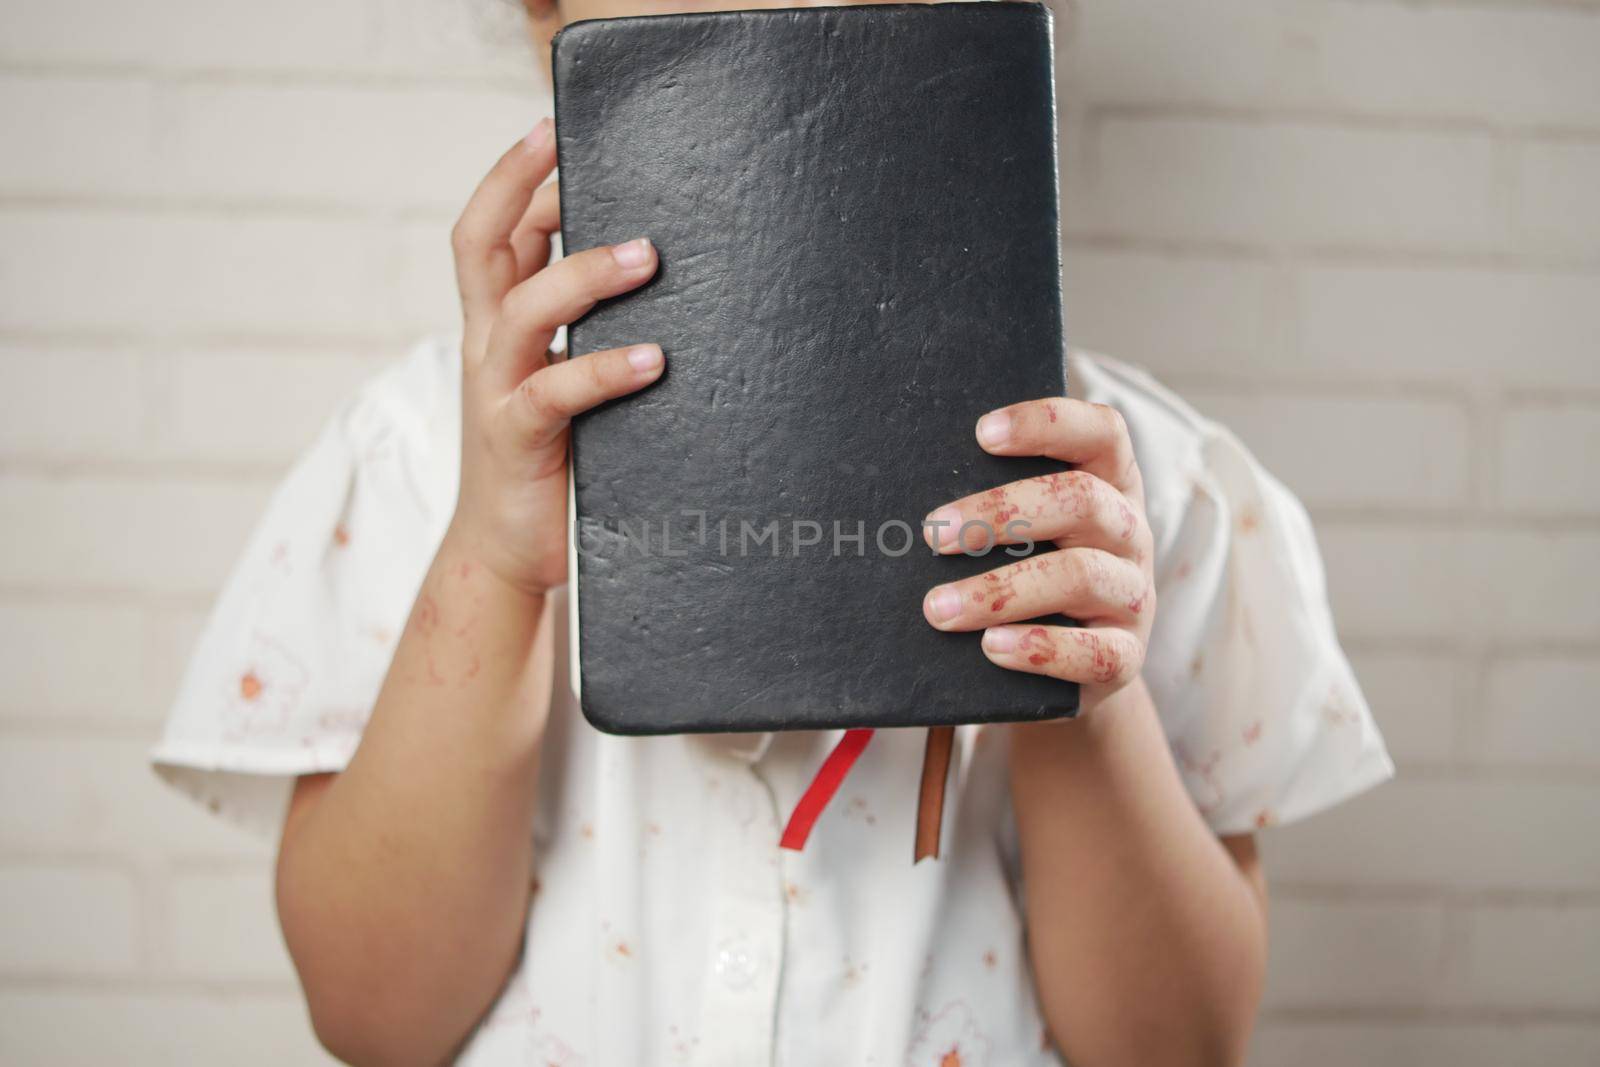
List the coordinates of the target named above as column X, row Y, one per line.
column 737, row 964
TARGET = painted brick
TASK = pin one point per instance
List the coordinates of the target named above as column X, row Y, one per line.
column 1516, row 63
column 73, row 659
column 1556, row 184
column 1145, row 51
column 474, row 40
column 1449, row 324
column 256, row 405
column 1352, row 450
column 357, row 145
column 112, row 118
column 65, row 403
column 68, row 920
column 1296, row 184
column 1531, row 957
column 1354, row 953
column 1540, row 712
column 422, row 295
column 1448, row 835
column 98, row 533
column 1175, row 315
column 1462, row 582
column 187, row 34
column 222, row 924
column 1422, row 1043
column 93, row 1027
column 115, row 270
column 1547, row 459
column 173, row 632
column 86, row 794
column 1416, row 700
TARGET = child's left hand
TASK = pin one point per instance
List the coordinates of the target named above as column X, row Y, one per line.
column 1102, row 573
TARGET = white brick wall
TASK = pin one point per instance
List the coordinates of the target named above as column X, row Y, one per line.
column 1362, row 232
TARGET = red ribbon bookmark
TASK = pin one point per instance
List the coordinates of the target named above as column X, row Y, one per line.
column 829, row 777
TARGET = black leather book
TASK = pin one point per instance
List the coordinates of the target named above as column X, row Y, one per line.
column 856, row 213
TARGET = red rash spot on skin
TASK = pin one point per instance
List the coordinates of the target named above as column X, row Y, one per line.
column 1051, row 411
column 464, row 571
column 427, row 615
column 1130, row 522
column 1105, row 663
column 341, row 536
column 250, row 686
column 472, row 671
column 1071, row 492
column 1252, row 733
column 1137, row 605
column 1037, row 644
column 1002, row 586
column 1001, row 511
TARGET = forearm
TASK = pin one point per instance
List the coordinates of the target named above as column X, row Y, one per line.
column 1148, row 940
column 403, row 889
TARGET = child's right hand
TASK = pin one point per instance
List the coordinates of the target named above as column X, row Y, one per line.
column 511, row 514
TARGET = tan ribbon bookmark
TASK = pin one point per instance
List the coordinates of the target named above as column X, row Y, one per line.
column 930, row 798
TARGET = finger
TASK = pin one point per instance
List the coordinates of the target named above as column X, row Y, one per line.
column 486, row 262
column 531, row 313
column 1093, row 437
column 1100, row 656
column 550, row 397
column 1081, row 583
column 532, row 238
column 1070, row 507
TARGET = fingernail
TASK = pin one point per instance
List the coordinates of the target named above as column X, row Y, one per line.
column 994, row 429
column 645, row 358
column 944, row 603
column 947, row 534
column 636, row 253
column 1000, row 639
column 539, row 134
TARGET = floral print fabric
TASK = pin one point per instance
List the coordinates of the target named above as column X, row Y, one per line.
column 666, row 926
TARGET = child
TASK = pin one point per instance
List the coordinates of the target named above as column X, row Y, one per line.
column 467, row 870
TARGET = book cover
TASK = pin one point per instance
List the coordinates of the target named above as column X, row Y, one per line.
column 856, row 214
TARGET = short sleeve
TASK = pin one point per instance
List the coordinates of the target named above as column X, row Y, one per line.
column 294, row 651
column 1263, row 713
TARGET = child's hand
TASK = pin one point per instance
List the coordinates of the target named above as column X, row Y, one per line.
column 1101, row 575
column 516, row 403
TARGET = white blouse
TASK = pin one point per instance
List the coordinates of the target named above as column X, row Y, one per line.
column 667, row 927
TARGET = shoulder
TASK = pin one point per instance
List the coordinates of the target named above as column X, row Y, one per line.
column 424, row 383
column 411, row 410
column 298, row 640
column 1264, row 715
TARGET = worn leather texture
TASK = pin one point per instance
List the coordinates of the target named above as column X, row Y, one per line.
column 856, row 212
